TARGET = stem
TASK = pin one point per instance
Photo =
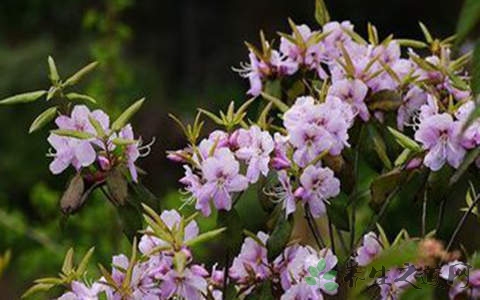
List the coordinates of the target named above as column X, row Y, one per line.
column 109, row 197
column 342, row 240
column 312, row 226
column 225, row 275
column 424, row 213
column 384, row 208
column 441, row 214
column 355, row 188
column 332, row 238
column 462, row 222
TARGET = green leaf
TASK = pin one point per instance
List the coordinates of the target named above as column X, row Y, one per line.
column 385, row 184
column 123, row 119
column 330, row 275
column 385, row 100
column 313, row 271
column 379, row 146
column 43, row 119
column 310, row 280
column 331, row 286
column 412, row 43
column 425, row 292
column 68, row 262
column 468, row 19
column 23, row 98
column 467, row 161
column 117, row 186
column 405, row 141
column 396, row 256
column 80, row 97
column 82, row 135
column 232, row 237
column 321, row 13
column 98, row 127
column 438, row 182
column 53, row 72
column 212, row 116
column 75, row 78
column 205, row 237
column 82, row 267
column 322, row 264
column 123, row 142
column 279, row 238
column 277, row 102
column 263, row 292
column 41, row 287
column 130, row 219
column 426, row 33
column 475, row 82
column 337, row 212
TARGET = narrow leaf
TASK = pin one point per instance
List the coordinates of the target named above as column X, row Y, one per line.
column 53, row 72
column 23, row 98
column 80, row 97
column 321, row 13
column 204, row 237
column 405, row 141
column 468, row 19
column 73, row 134
column 123, row 119
column 43, row 119
column 75, row 78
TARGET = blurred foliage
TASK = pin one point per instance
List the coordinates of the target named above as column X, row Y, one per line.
column 177, row 53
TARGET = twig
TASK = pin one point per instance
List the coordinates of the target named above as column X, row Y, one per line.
column 462, row 222
column 312, row 226
column 355, row 188
column 441, row 214
column 384, row 208
column 424, row 213
column 225, row 275
column 330, row 232
column 342, row 240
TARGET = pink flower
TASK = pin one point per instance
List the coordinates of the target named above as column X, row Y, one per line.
column 311, row 57
column 310, row 140
column 286, row 193
column 317, row 186
column 352, row 92
column 369, row 250
column 172, row 219
column 70, row 151
column 131, row 151
column 80, row 291
column 221, row 173
column 259, row 69
column 190, row 284
column 412, row 102
column 255, row 147
column 394, row 283
column 471, row 136
column 439, row 135
column 252, row 262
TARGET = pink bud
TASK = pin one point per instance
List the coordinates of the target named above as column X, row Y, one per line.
column 414, row 163
column 104, row 163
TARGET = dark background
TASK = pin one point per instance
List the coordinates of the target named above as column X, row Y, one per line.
column 178, row 54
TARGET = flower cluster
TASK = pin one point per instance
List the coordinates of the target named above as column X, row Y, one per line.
column 287, row 272
column 312, row 130
column 85, row 140
column 213, row 169
column 463, row 281
column 164, row 271
column 359, row 73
